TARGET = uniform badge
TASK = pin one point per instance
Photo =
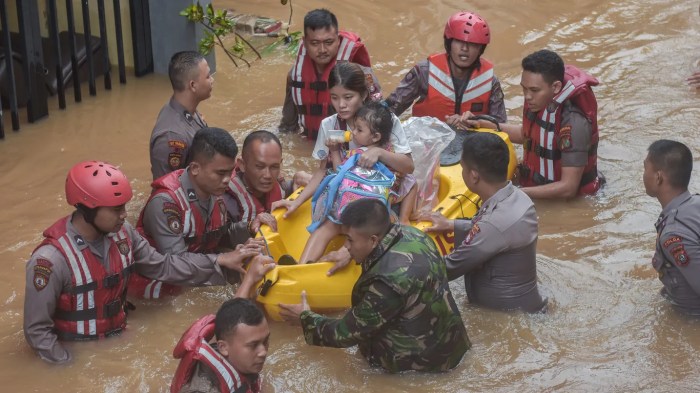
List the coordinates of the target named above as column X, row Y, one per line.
column 174, row 224
column 79, row 240
column 174, row 160
column 171, row 209
column 42, row 273
column 565, row 138
column 671, row 240
column 370, row 83
column 472, row 232
column 180, row 145
column 123, row 246
column 680, row 256
column 191, row 195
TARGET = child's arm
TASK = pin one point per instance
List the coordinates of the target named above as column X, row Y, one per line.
column 335, row 154
column 399, row 162
column 306, row 193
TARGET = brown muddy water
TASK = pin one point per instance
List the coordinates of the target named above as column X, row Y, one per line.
column 608, row 330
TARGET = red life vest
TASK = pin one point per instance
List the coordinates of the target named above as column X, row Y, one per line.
column 194, row 347
column 441, row 98
column 310, row 92
column 543, row 140
column 249, row 205
column 94, row 307
column 201, row 236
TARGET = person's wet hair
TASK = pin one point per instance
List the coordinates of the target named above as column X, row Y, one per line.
column 183, row 67
column 546, row 63
column 210, row 140
column 349, row 76
column 369, row 216
column 263, row 136
column 674, row 159
column 234, row 312
column 488, row 154
column 320, row 19
column 378, row 118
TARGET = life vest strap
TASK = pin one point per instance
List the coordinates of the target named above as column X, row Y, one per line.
column 313, row 109
column 297, row 84
column 548, row 127
column 541, row 151
column 318, row 85
column 107, row 282
column 108, row 310
column 86, row 337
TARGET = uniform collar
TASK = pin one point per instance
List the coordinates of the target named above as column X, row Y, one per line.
column 190, row 118
column 498, row 197
column 669, row 210
column 186, row 184
column 77, row 238
column 394, row 235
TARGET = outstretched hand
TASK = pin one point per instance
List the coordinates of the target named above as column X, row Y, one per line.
column 340, row 259
column 440, row 222
column 291, row 206
column 292, row 312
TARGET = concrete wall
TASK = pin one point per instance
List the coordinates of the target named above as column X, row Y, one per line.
column 171, row 33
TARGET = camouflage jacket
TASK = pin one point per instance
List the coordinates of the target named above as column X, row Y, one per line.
column 403, row 316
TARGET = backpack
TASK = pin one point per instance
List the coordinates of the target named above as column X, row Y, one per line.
column 349, row 183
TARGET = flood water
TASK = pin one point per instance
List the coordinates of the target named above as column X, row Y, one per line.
column 608, row 329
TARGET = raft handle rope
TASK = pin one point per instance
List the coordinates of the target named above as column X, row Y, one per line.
column 461, row 209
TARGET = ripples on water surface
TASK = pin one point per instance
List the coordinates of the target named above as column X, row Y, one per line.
column 607, row 329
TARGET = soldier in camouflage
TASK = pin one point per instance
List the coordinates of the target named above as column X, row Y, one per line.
column 403, row 316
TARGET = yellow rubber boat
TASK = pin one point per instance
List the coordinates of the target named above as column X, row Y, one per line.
column 325, row 294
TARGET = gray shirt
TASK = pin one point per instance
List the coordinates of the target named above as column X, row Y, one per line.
column 414, row 86
column 497, row 254
column 161, row 212
column 172, row 137
column 40, row 302
column 677, row 256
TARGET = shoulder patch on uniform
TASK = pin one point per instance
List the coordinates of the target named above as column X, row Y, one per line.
column 472, row 232
column 177, row 145
column 565, row 142
column 123, row 247
column 171, row 209
column 174, row 160
column 671, row 240
column 42, row 273
column 174, row 224
column 680, row 255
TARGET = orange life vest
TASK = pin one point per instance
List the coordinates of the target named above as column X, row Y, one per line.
column 310, row 91
column 441, row 99
column 544, row 141
column 94, row 307
column 201, row 236
column 249, row 205
column 194, row 347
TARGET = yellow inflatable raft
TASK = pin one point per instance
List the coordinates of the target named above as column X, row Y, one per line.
column 325, row 294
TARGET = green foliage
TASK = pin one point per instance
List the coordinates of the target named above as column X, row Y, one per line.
column 218, row 25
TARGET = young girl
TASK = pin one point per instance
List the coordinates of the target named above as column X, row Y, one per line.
column 348, row 91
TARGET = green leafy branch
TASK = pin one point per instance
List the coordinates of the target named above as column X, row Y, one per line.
column 217, row 26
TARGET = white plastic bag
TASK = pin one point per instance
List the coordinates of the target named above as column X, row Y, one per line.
column 427, row 137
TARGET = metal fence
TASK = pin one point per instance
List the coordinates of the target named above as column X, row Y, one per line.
column 34, row 69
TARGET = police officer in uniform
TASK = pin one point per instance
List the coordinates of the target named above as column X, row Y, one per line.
column 179, row 119
column 76, row 278
column 667, row 170
column 186, row 211
column 498, row 246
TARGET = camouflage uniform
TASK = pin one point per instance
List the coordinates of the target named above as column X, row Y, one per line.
column 403, row 315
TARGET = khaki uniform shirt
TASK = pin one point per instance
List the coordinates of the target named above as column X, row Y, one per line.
column 171, row 138
column 677, row 257
column 581, row 129
column 497, row 254
column 40, row 303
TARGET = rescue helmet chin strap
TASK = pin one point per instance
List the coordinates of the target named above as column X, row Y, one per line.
column 89, row 216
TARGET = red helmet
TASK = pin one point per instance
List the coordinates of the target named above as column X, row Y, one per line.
column 468, row 27
column 95, row 184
